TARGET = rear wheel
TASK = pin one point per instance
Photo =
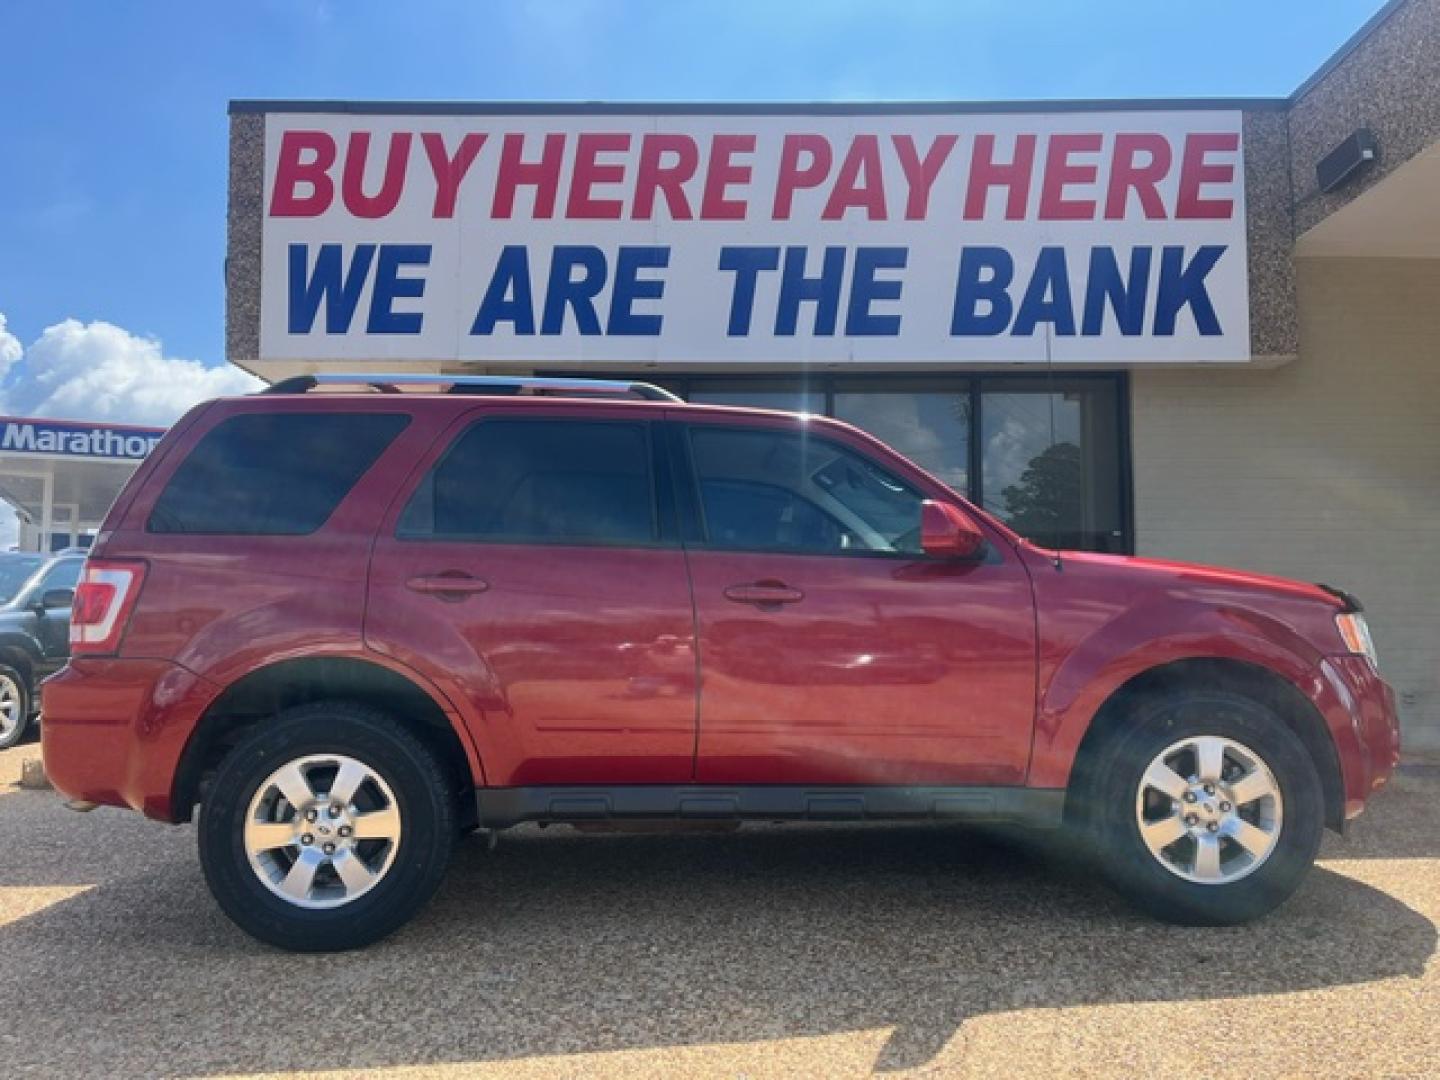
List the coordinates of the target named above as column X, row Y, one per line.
column 1207, row 808
column 326, row 829
column 14, row 707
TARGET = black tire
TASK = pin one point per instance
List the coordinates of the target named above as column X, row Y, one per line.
column 425, row 801
column 16, row 684
column 1158, row 722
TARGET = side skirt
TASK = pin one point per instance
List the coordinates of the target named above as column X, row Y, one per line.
column 500, row 808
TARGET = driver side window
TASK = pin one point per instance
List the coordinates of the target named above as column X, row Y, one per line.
column 763, row 490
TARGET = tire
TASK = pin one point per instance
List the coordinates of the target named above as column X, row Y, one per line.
column 244, row 810
column 1205, row 876
column 14, row 707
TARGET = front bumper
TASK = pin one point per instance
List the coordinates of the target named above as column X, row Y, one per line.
column 1360, row 711
column 114, row 730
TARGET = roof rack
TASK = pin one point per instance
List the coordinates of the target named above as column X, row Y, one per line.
column 498, row 385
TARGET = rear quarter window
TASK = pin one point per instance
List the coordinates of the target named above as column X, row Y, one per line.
column 272, row 474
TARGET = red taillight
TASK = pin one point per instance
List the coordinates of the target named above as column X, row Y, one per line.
column 104, row 599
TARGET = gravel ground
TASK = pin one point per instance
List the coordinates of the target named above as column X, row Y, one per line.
column 798, row 951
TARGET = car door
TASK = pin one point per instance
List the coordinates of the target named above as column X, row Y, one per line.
column 52, row 626
column 832, row 650
column 533, row 572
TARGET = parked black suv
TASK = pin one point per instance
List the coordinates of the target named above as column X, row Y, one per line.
column 35, row 596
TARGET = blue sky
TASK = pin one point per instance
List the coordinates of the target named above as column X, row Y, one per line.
column 112, row 189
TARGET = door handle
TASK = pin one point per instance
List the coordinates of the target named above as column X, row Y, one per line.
column 450, row 585
column 764, row 593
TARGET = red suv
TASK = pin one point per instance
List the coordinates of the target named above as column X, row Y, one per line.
column 349, row 625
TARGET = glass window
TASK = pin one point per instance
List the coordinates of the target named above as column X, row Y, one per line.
column 1050, row 465
column 272, row 474
column 928, row 422
column 789, row 395
column 63, row 575
column 15, row 571
column 555, row 481
column 784, row 491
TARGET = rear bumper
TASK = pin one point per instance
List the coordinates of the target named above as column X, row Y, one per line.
column 1359, row 709
column 114, row 730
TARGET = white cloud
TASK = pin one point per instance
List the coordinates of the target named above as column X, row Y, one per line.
column 99, row 371
column 10, row 349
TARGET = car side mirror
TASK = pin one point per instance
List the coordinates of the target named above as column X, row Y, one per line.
column 55, row 599
column 947, row 532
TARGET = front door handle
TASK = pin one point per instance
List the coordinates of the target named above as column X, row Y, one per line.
column 449, row 585
column 764, row 593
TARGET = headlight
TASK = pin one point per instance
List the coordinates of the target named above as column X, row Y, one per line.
column 1356, row 634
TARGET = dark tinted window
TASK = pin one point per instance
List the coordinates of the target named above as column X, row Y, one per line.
column 539, row 480
column 786, row 491
column 272, row 474
column 15, row 571
column 63, row 575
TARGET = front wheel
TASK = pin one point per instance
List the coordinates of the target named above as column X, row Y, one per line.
column 14, row 707
column 1207, row 808
column 327, row 828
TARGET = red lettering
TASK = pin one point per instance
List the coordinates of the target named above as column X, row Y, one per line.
column 920, row 173
column 542, row 175
column 352, row 183
column 792, row 177
column 1126, row 175
column 653, row 176
column 290, row 172
column 986, row 173
column 1060, row 173
column 589, row 171
column 449, row 170
column 859, row 184
column 1195, row 171
column 721, row 173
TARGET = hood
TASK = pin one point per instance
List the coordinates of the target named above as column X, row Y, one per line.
column 1182, row 576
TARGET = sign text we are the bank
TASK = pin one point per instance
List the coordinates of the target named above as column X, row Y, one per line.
column 1108, row 237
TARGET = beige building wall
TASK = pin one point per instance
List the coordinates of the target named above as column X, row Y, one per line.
column 1324, row 469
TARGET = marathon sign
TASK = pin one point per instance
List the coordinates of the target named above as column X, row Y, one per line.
column 1071, row 237
column 58, row 438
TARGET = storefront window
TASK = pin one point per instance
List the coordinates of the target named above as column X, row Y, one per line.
column 793, row 396
column 927, row 422
column 1050, row 464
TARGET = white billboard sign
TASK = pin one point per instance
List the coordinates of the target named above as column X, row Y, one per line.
column 1104, row 237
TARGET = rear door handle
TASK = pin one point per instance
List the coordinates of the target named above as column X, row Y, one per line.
column 764, row 593
column 450, row 585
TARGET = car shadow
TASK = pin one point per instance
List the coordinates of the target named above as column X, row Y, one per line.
column 557, row 943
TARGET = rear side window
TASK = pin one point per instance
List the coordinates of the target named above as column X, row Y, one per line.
column 272, row 474
column 539, row 481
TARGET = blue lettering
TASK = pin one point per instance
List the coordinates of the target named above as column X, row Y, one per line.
column 822, row 291
column 865, row 290
column 1047, row 297
column 565, row 290
column 389, row 285
column 340, row 292
column 1126, row 296
column 508, row 298
column 747, row 263
column 629, row 288
column 1181, row 285
column 971, row 290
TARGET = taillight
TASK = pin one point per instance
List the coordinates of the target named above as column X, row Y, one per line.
column 104, row 599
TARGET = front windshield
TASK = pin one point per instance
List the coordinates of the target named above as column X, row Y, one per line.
column 15, row 570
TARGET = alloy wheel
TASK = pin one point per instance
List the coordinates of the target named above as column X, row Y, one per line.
column 322, row 830
column 1209, row 810
column 11, row 702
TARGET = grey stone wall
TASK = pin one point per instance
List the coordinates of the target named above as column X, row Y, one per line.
column 1388, row 81
column 242, row 255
